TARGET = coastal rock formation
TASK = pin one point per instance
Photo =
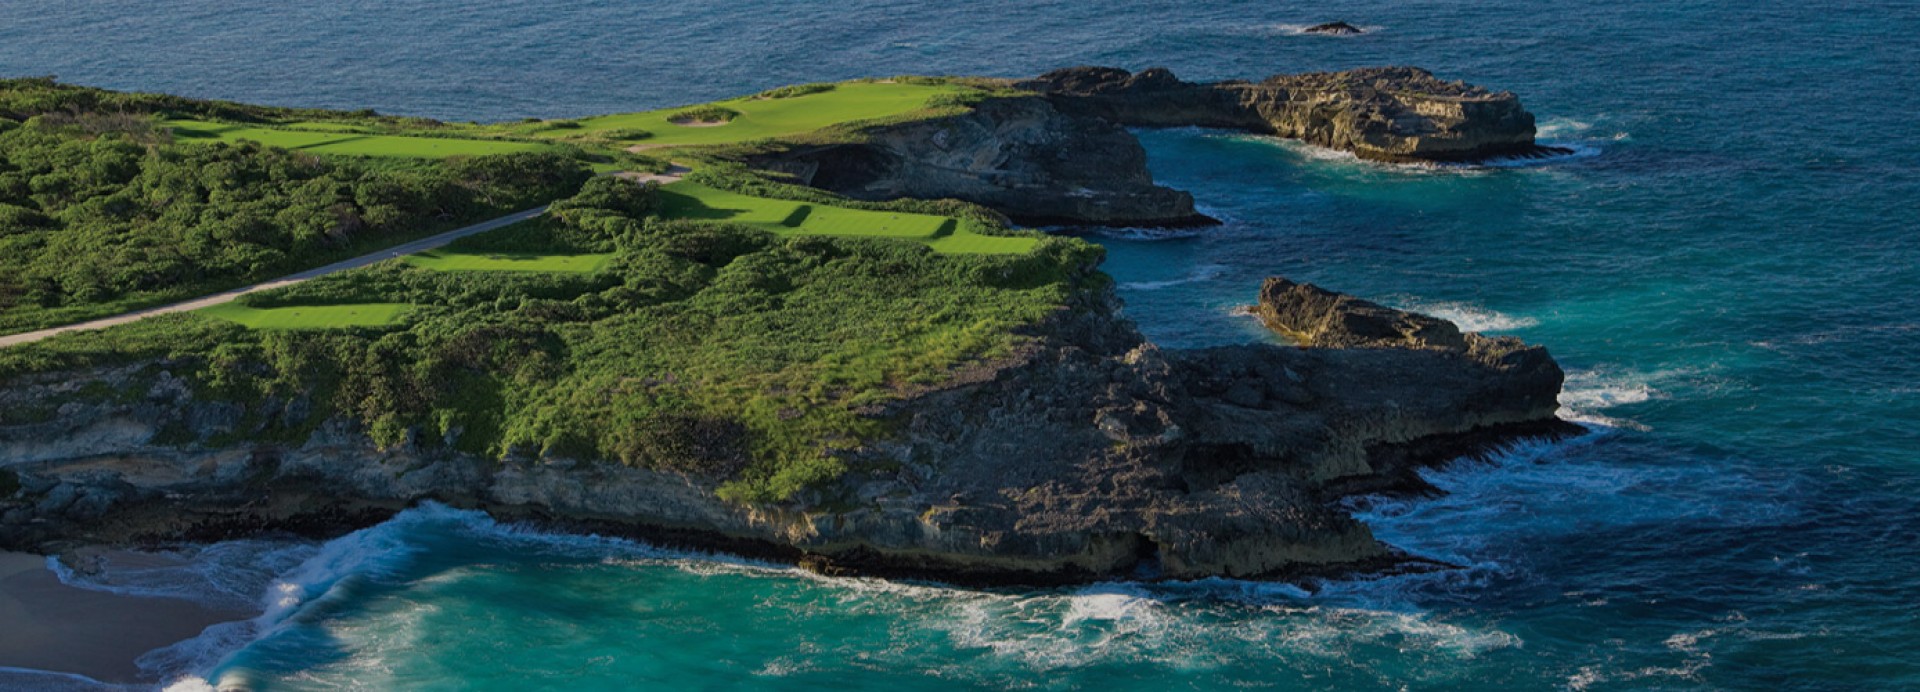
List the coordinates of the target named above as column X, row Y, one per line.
column 1396, row 114
column 1064, row 156
column 1334, row 29
column 1088, row 454
column 1019, row 156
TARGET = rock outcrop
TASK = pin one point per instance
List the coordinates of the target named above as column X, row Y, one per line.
column 1333, row 29
column 1396, row 114
column 1090, row 454
column 1064, row 156
column 1018, row 155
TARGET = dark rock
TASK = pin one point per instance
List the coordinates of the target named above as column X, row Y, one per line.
column 1385, row 113
column 1019, row 156
column 1088, row 454
column 1334, row 28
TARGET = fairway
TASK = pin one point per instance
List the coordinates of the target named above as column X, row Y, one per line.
column 454, row 260
column 345, row 141
column 686, row 200
column 777, row 117
column 311, row 316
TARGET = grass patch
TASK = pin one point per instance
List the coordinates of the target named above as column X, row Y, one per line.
column 762, row 118
column 787, row 92
column 343, row 140
column 458, row 261
column 703, row 115
column 311, row 316
column 689, row 200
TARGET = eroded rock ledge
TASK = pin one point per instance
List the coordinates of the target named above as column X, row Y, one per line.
column 1091, row 454
column 1396, row 114
column 1064, row 157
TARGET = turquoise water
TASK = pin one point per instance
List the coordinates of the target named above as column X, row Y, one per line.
column 1727, row 268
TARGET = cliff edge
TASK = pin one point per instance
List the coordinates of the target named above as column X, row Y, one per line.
column 1089, row 454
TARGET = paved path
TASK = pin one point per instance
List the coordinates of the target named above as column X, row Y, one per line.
column 421, row 245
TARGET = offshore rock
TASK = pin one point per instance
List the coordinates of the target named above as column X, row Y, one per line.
column 1333, row 28
column 1395, row 114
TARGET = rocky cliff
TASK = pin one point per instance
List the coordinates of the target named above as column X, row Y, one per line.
column 1063, row 156
column 1397, row 114
column 1019, row 155
column 1089, row 454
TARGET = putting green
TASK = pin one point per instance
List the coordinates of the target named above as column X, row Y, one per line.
column 344, row 140
column 311, row 316
column 453, row 260
column 686, row 200
column 761, row 118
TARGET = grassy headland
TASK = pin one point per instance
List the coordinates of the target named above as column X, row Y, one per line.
column 730, row 326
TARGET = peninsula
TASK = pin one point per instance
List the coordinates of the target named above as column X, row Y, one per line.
column 804, row 324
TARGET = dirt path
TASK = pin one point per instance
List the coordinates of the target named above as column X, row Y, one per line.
column 421, row 245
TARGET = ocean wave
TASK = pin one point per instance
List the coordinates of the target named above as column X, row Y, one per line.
column 1588, row 393
column 1136, row 234
column 1575, row 149
column 228, row 575
column 1204, row 272
column 1468, row 316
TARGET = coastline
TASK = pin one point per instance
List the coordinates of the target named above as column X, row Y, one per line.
column 51, row 632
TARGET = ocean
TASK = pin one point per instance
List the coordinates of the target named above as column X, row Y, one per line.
column 1726, row 266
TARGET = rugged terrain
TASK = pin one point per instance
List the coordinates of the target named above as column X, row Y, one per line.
column 1090, row 453
column 1060, row 153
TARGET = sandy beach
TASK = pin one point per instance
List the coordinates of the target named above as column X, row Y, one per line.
column 47, row 625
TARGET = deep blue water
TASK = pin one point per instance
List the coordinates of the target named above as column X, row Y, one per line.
column 1727, row 269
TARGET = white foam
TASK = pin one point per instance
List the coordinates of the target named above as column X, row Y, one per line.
column 1202, row 273
column 226, row 575
column 1589, row 393
column 1470, row 317
column 1576, row 150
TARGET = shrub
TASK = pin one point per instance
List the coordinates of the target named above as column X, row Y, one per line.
column 787, row 92
column 704, row 114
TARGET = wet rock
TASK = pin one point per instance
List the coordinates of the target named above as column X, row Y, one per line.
column 1334, row 29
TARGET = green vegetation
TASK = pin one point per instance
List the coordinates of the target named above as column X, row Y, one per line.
column 449, row 260
column 342, row 140
column 730, row 326
column 703, row 346
column 762, row 118
column 102, row 213
column 691, row 200
column 311, row 316
column 703, row 115
column 787, row 92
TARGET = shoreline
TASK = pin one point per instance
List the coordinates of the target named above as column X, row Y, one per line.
column 50, row 631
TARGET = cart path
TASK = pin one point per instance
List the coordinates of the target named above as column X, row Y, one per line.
column 421, row 245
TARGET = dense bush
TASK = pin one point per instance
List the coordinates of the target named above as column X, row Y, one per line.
column 97, row 215
column 720, row 351
column 704, row 114
column 787, row 92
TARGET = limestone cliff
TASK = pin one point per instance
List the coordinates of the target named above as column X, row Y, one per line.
column 1398, row 114
column 1062, row 156
column 1089, row 454
column 1017, row 155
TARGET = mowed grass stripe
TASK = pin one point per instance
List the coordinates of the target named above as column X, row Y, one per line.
column 350, row 143
column 687, row 200
column 311, row 316
column 772, row 117
column 454, row 260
